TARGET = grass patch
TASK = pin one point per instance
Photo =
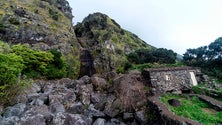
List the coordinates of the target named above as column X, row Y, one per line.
column 140, row 67
column 203, row 90
column 194, row 109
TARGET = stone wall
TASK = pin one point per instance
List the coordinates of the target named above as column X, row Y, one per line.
column 176, row 79
column 161, row 114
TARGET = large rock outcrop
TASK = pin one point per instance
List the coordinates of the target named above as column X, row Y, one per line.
column 44, row 24
column 107, row 42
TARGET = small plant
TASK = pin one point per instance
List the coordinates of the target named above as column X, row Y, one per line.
column 14, row 21
column 54, row 14
column 120, row 70
column 110, row 82
column 2, row 28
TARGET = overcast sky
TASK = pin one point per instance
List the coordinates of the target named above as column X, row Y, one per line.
column 171, row 24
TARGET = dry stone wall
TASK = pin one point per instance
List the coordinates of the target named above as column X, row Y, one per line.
column 176, row 79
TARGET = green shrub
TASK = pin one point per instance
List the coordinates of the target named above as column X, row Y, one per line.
column 4, row 48
column 11, row 67
column 127, row 66
column 57, row 68
column 120, row 69
column 2, row 28
column 54, row 14
column 35, row 61
column 14, row 21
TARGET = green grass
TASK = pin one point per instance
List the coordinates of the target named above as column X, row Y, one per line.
column 202, row 89
column 140, row 67
column 194, row 109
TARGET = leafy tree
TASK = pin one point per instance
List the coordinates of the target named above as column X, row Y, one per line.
column 161, row 56
column 196, row 57
column 215, row 49
column 208, row 57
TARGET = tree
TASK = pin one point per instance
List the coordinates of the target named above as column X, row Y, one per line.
column 208, row 57
column 215, row 49
column 196, row 57
column 163, row 55
column 160, row 55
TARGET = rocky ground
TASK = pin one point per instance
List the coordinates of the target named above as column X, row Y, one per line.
column 109, row 100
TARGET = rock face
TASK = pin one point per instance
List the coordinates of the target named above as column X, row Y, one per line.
column 44, row 24
column 106, row 41
column 79, row 102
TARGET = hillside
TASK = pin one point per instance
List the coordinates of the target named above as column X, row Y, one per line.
column 43, row 24
column 106, row 41
column 47, row 24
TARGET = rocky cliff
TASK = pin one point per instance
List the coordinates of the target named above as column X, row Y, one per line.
column 101, row 44
column 106, row 41
column 44, row 24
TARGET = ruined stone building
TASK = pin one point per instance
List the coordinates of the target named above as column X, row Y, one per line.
column 176, row 79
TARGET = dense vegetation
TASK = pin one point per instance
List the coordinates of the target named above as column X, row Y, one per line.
column 20, row 60
column 209, row 58
column 205, row 89
column 150, row 58
column 161, row 56
column 194, row 109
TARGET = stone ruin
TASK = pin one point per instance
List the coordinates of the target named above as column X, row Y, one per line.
column 174, row 80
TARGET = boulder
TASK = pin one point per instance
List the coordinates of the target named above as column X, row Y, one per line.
column 36, row 115
column 75, row 108
column 13, row 120
column 15, row 110
column 92, row 112
column 33, row 120
column 71, row 119
column 99, row 121
column 113, row 107
column 57, row 107
column 129, row 88
column 42, row 110
column 99, row 84
column 99, row 100
column 85, row 79
column 84, row 92
column 128, row 116
column 141, row 117
column 174, row 102
column 114, row 121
